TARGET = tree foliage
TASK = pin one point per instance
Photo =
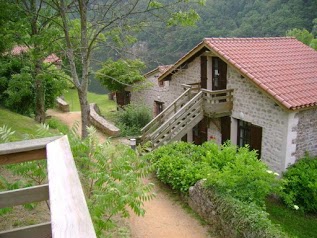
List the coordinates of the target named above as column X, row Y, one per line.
column 116, row 75
column 222, row 18
column 17, row 91
column 308, row 38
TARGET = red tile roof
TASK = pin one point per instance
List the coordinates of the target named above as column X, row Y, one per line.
column 17, row 50
column 160, row 69
column 52, row 59
column 283, row 67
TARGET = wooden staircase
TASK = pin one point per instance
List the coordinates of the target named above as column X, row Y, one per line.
column 184, row 113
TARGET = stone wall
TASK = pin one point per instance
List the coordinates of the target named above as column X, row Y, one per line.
column 214, row 130
column 254, row 106
column 151, row 91
column 101, row 123
column 62, row 105
column 230, row 217
column 306, row 133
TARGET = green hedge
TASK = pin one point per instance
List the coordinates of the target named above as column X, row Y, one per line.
column 238, row 219
column 235, row 171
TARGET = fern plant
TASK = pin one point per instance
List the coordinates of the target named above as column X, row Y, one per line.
column 113, row 179
column 6, row 134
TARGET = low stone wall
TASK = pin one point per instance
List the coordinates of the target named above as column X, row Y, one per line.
column 200, row 200
column 101, row 123
column 62, row 105
column 231, row 217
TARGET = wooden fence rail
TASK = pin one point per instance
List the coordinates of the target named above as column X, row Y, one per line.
column 69, row 212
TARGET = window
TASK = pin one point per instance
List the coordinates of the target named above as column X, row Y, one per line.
column 161, row 83
column 249, row 134
column 243, row 133
column 158, row 107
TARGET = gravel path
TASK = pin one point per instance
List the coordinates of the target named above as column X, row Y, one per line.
column 164, row 218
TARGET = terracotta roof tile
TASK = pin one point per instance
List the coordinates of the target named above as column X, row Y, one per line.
column 282, row 66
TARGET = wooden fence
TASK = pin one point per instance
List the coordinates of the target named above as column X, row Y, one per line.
column 69, row 212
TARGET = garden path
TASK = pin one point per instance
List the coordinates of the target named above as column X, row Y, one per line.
column 164, row 218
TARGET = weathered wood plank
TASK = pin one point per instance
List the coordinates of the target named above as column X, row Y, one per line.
column 165, row 111
column 25, row 145
column 20, row 157
column 69, row 213
column 42, row 230
column 23, row 196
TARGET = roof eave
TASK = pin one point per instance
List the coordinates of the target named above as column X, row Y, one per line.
column 183, row 60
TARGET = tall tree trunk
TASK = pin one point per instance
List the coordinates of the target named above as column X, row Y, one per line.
column 85, row 111
column 39, row 95
column 38, row 83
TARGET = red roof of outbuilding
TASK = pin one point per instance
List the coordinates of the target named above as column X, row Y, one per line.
column 283, row 67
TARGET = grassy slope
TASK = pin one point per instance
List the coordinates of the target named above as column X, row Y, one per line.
column 293, row 222
column 20, row 124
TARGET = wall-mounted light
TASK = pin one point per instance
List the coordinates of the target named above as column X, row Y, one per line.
column 241, row 115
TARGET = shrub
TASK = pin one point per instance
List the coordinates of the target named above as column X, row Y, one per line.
column 300, row 187
column 20, row 94
column 233, row 171
column 132, row 118
column 245, row 178
column 179, row 165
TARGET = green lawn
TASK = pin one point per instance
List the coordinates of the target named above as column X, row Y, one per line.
column 22, row 125
column 293, row 222
column 105, row 105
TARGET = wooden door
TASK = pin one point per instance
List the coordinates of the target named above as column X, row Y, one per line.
column 225, row 129
column 256, row 139
column 219, row 74
column 200, row 132
column 203, row 72
column 158, row 107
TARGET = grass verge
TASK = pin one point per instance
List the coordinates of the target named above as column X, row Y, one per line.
column 22, row 125
column 106, row 106
column 293, row 222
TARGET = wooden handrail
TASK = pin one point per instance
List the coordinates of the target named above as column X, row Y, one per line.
column 179, row 112
column 165, row 111
column 69, row 212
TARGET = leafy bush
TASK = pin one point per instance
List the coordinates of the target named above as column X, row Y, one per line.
column 245, row 177
column 112, row 177
column 300, row 189
column 20, row 94
column 132, row 118
column 234, row 171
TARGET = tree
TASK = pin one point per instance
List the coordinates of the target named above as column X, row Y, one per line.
column 114, row 19
column 305, row 36
column 36, row 31
column 116, row 75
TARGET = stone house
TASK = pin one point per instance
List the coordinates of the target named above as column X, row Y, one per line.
column 271, row 84
column 153, row 93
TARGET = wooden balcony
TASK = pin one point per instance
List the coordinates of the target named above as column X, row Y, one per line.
column 69, row 212
column 217, row 103
column 185, row 112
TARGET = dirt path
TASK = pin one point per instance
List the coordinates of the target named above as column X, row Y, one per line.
column 164, row 218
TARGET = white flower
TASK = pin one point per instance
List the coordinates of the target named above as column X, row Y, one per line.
column 269, row 171
column 276, row 174
column 296, row 207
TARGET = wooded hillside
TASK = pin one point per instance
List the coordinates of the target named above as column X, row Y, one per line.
column 222, row 18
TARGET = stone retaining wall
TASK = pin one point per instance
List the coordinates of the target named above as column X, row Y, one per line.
column 62, row 105
column 101, row 123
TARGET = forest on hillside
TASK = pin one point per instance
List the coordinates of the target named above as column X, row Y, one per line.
column 159, row 44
